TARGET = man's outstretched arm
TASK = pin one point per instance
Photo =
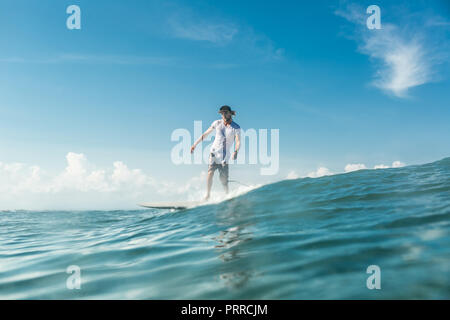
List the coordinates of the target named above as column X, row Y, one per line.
column 203, row 136
column 237, row 140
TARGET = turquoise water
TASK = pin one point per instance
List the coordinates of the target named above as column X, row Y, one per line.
column 296, row 239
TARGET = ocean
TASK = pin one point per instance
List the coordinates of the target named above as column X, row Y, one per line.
column 295, row 239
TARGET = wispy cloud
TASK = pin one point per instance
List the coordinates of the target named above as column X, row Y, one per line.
column 185, row 23
column 260, row 45
column 92, row 59
column 117, row 59
column 437, row 21
column 405, row 56
column 191, row 28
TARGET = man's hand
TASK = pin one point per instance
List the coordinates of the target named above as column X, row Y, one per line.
column 201, row 138
column 234, row 155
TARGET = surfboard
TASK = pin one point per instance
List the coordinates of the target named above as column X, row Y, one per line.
column 171, row 205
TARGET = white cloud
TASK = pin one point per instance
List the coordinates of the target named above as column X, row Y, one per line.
column 81, row 185
column 404, row 62
column 354, row 167
column 405, row 56
column 395, row 164
column 320, row 172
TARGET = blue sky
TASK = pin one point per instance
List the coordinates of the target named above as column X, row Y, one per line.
column 115, row 90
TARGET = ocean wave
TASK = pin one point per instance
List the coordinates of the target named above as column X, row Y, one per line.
column 298, row 238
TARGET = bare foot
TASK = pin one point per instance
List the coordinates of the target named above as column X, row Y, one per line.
column 206, row 198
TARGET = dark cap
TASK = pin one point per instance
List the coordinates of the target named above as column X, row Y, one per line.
column 226, row 108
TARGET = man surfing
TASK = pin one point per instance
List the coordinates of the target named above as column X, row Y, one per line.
column 227, row 132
